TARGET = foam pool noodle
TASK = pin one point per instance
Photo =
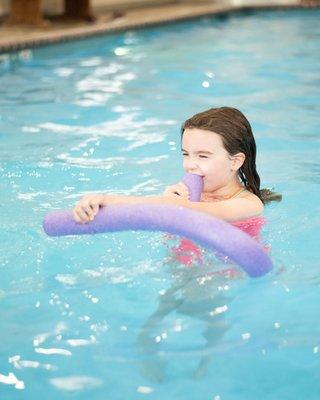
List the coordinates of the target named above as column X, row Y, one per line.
column 208, row 231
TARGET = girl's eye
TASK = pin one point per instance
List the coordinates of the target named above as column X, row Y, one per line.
column 184, row 155
column 201, row 156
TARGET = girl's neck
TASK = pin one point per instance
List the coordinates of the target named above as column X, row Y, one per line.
column 226, row 192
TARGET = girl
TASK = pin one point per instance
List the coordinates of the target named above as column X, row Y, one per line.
column 217, row 144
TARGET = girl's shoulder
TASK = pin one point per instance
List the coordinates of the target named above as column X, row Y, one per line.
column 250, row 196
column 254, row 200
column 246, row 205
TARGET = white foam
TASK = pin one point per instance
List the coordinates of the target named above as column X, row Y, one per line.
column 94, row 300
column 145, row 389
column 219, row 310
column 246, row 336
column 63, row 352
column 80, row 342
column 71, row 383
column 39, row 339
column 11, row 379
column 66, row 279
column 18, row 363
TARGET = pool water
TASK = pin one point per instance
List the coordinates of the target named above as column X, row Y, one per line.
column 108, row 316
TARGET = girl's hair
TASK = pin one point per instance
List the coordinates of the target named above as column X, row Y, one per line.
column 237, row 137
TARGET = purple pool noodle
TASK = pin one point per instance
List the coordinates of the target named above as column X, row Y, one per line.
column 195, row 185
column 207, row 231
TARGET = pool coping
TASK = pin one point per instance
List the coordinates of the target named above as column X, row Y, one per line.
column 42, row 37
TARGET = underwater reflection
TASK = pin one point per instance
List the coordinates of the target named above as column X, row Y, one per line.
column 198, row 292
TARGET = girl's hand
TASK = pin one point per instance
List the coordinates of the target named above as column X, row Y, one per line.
column 87, row 208
column 179, row 189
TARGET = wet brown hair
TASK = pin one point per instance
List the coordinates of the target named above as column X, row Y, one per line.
column 237, row 137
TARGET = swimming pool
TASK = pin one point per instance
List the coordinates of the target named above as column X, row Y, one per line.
column 105, row 316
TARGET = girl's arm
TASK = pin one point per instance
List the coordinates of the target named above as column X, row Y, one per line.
column 230, row 210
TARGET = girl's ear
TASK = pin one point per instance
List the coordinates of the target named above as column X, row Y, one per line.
column 237, row 161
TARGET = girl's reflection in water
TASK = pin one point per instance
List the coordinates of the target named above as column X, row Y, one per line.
column 196, row 291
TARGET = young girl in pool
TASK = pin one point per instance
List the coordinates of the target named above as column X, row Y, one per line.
column 217, row 144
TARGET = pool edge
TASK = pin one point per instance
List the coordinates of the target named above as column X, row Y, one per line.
column 43, row 38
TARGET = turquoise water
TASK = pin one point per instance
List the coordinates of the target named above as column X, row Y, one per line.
column 107, row 316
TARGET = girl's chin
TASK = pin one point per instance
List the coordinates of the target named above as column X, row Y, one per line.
column 209, row 188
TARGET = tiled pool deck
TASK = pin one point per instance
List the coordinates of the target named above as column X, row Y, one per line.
column 13, row 38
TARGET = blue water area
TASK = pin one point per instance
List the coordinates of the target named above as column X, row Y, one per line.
column 109, row 316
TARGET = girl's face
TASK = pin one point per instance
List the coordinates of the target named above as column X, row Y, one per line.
column 204, row 154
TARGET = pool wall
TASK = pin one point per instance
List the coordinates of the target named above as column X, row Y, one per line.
column 14, row 38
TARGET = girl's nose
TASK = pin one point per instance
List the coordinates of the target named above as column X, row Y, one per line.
column 190, row 165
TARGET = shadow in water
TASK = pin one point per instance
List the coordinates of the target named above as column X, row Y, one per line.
column 200, row 297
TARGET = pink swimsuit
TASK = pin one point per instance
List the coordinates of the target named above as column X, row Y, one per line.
column 252, row 226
